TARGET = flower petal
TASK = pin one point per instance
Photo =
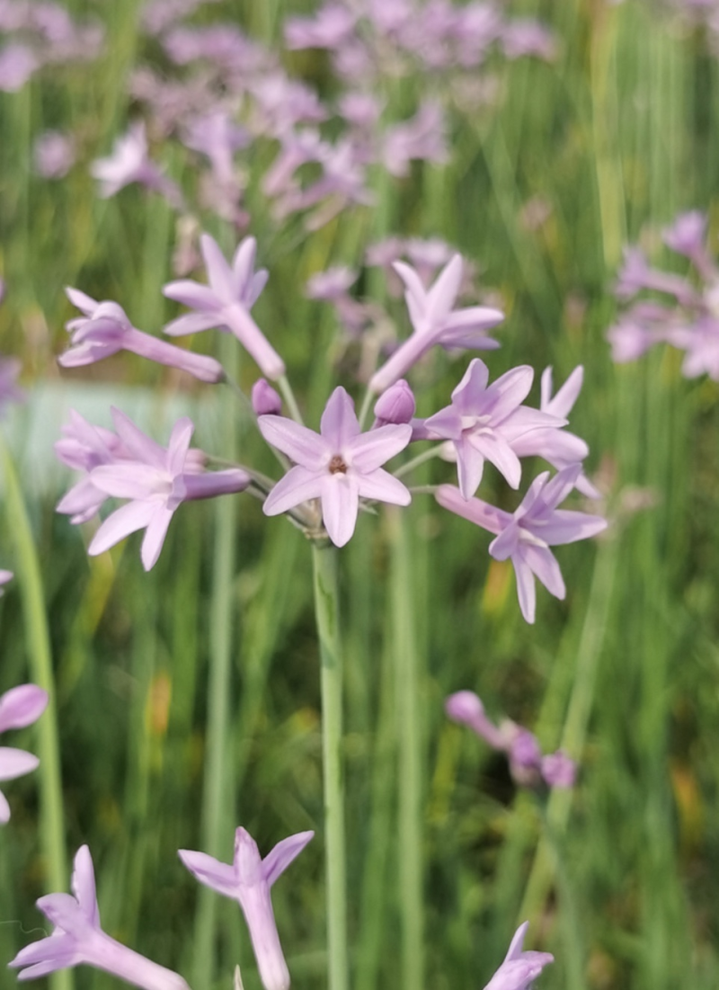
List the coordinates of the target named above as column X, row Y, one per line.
column 298, row 485
column 340, row 505
column 16, row 763
column 301, row 444
column 155, row 534
column 219, row 876
column 128, row 519
column 382, row 486
column 279, row 858
column 372, row 449
column 339, row 424
column 21, row 706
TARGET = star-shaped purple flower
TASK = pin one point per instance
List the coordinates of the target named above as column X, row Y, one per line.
column 248, row 881
column 19, row 707
column 436, row 321
column 339, row 465
column 226, row 302
column 519, row 969
column 78, row 938
column 526, row 536
column 484, row 422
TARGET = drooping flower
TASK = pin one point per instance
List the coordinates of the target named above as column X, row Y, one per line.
column 436, row 321
column 19, row 707
column 77, row 939
column 248, row 881
column 526, row 762
column 519, row 969
column 226, row 302
column 525, row 536
column 484, row 422
column 105, row 329
column 155, row 479
column 339, row 465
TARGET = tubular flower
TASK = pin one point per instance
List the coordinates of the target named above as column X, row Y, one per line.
column 248, row 881
column 519, row 969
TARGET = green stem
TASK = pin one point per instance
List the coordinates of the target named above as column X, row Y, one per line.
column 217, row 811
column 327, row 616
column 410, row 755
column 289, row 396
column 52, row 830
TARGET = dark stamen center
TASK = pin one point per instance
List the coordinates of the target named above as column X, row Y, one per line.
column 337, row 465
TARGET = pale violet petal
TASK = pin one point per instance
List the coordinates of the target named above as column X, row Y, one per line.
column 16, row 763
column 340, row 505
column 381, row 486
column 193, row 294
column 279, row 858
column 219, row 876
column 339, row 424
column 526, row 590
column 370, row 450
column 125, row 520
column 154, row 537
column 545, row 567
column 299, row 485
column 302, row 445
column 83, row 885
column 21, row 706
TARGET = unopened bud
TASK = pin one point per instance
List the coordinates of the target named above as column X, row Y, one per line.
column 396, row 405
column 265, row 400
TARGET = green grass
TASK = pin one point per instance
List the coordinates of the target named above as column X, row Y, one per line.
column 619, row 878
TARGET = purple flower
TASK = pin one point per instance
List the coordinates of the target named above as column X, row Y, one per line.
column 17, row 65
column 396, row 405
column 19, row 707
column 248, row 881
column 339, row 465
column 484, row 420
column 155, row 480
column 526, row 536
column 331, row 27
column 526, row 763
column 128, row 163
column 519, row 969
column 435, row 321
column 105, row 329
column 265, row 400
column 77, row 938
column 9, row 390
column 422, row 137
column 54, row 154
column 226, row 302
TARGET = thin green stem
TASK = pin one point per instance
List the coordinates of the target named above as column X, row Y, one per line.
column 327, row 617
column 52, row 829
column 366, row 403
column 410, row 755
column 216, row 810
column 427, row 455
column 289, row 396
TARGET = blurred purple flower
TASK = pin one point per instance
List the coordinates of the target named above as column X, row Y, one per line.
column 248, row 881
column 19, row 707
column 436, row 321
column 526, row 763
column 9, row 370
column 485, row 421
column 5, row 576
column 128, row 163
column 105, row 329
column 526, row 535
column 17, row 65
column 155, row 479
column 54, row 154
column 226, row 302
column 77, row 938
column 527, row 37
column 265, row 400
column 422, row 137
column 339, row 465
column 519, row 969
column 215, row 135
column 330, row 27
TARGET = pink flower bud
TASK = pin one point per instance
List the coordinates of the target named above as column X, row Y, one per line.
column 396, row 405
column 265, row 400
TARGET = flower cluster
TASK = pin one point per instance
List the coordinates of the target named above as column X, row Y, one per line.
column 683, row 312
column 527, row 764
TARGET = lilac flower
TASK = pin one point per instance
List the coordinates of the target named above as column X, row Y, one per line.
column 435, row 321
column 19, row 707
column 248, row 881
column 527, row 37
column 422, row 137
column 519, row 969
column 104, row 329
column 526, row 763
column 396, row 405
column 130, row 163
column 17, row 65
column 215, row 135
column 339, row 465
column 54, row 154
column 526, row 536
column 9, row 390
column 156, row 481
column 484, row 420
column 265, row 400
column 226, row 302
column 77, row 938
column 331, row 27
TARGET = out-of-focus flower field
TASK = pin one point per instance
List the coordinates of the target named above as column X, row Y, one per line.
column 539, row 140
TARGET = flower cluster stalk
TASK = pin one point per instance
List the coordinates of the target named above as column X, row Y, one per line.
column 326, row 592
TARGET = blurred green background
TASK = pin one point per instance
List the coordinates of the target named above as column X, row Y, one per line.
column 618, row 878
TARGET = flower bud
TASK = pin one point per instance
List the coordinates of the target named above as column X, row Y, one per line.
column 396, row 405
column 265, row 400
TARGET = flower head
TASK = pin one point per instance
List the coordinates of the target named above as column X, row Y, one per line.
column 248, row 880
column 339, row 465
column 78, row 938
column 19, row 707
column 226, row 302
column 128, row 163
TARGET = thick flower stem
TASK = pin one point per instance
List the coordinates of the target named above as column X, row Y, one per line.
column 410, row 755
column 327, row 616
column 52, row 828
